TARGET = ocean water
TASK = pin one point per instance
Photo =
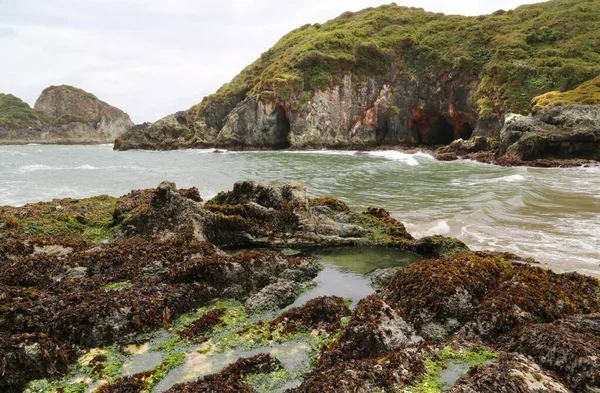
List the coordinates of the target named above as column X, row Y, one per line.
column 552, row 215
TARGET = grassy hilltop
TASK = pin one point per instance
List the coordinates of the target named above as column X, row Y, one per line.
column 16, row 113
column 517, row 54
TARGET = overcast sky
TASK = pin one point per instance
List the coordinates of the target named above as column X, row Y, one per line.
column 154, row 57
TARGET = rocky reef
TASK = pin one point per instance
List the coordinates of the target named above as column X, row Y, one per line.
column 391, row 76
column 157, row 291
column 62, row 114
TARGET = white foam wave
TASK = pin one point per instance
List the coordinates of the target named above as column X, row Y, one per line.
column 324, row 151
column 511, row 178
column 34, row 167
column 394, row 155
column 39, row 167
column 439, row 227
column 12, row 152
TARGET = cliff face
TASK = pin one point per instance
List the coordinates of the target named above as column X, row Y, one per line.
column 356, row 113
column 62, row 114
column 391, row 75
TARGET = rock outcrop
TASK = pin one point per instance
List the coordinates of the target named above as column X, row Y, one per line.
column 64, row 115
column 553, row 133
column 555, row 136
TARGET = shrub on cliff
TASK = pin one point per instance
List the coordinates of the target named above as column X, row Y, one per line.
column 16, row 113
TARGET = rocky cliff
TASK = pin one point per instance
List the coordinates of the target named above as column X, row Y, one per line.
column 391, row 75
column 62, row 114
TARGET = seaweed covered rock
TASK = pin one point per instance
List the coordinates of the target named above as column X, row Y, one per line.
column 569, row 347
column 397, row 369
column 482, row 298
column 284, row 215
column 29, row 356
column 324, row 313
column 439, row 246
column 231, row 379
column 169, row 212
column 97, row 295
column 375, row 329
column 512, row 373
column 200, row 328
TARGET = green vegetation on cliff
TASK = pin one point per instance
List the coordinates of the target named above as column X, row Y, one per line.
column 514, row 55
column 587, row 93
column 16, row 113
column 72, row 89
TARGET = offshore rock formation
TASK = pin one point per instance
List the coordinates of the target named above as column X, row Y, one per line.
column 62, row 114
column 80, row 274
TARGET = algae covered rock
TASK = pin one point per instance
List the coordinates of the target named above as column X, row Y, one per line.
column 169, row 268
column 569, row 347
column 512, row 373
column 483, row 298
column 374, row 330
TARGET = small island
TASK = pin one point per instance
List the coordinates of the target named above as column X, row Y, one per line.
column 61, row 115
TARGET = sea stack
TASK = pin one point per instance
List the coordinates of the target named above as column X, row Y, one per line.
column 61, row 115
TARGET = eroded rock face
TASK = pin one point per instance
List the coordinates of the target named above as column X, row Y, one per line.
column 355, row 113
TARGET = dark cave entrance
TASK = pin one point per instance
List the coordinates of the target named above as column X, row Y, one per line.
column 466, row 131
column 441, row 133
column 282, row 128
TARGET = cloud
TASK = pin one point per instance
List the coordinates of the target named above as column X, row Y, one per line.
column 153, row 57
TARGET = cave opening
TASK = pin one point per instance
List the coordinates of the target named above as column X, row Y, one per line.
column 442, row 132
column 282, row 129
column 466, row 131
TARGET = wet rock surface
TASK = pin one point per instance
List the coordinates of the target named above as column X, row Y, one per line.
column 119, row 271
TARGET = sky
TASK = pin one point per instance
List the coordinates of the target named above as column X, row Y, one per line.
column 155, row 57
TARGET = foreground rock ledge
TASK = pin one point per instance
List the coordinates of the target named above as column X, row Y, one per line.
column 80, row 274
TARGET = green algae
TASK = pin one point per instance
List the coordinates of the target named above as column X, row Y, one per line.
column 433, row 381
column 159, row 373
column 91, row 218
column 271, row 382
column 116, row 286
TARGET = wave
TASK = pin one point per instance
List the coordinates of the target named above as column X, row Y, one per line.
column 408, row 158
column 439, row 227
column 40, row 167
